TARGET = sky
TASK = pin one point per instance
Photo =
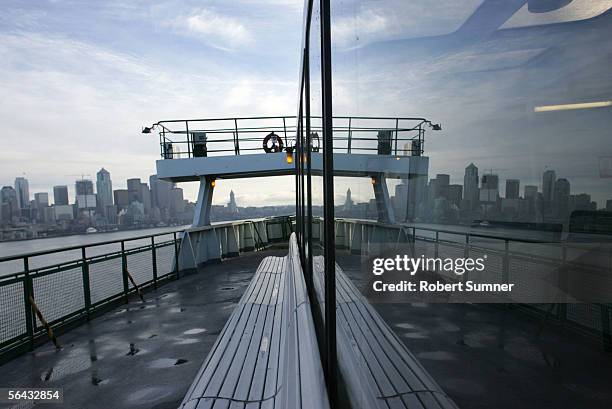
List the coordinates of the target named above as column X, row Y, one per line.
column 80, row 78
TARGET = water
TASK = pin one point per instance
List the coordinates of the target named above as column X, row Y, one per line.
column 13, row 248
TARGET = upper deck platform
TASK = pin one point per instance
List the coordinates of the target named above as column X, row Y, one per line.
column 264, row 146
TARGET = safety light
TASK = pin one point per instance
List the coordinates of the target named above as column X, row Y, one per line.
column 213, row 182
column 289, row 152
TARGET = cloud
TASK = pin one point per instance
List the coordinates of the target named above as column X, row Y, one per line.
column 215, row 29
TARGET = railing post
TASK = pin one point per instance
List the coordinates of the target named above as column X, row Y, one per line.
column 350, row 134
column 27, row 293
column 86, row 283
column 236, row 138
column 154, row 260
column 188, row 142
column 562, row 307
column 126, row 287
column 176, row 257
column 396, row 127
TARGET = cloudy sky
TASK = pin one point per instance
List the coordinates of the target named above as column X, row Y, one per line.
column 80, row 78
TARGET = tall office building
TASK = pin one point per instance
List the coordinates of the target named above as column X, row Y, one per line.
column 145, row 195
column 85, row 197
column 470, row 184
column 122, row 199
column 489, row 188
column 548, row 184
column 22, row 188
column 60, row 195
column 177, row 203
column 561, row 198
column 134, row 190
column 348, row 203
column 512, row 188
column 104, row 189
column 9, row 204
column 455, row 192
column 232, row 206
column 530, row 192
column 41, row 199
column 160, row 192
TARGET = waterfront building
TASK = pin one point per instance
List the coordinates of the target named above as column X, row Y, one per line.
column 22, row 187
column 60, row 195
column 104, row 190
column 470, row 185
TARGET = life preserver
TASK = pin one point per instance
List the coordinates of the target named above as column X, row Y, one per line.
column 272, row 143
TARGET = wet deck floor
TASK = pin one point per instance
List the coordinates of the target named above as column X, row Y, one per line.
column 146, row 355
column 486, row 356
column 140, row 355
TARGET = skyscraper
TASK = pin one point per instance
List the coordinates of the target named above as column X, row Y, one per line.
column 22, row 188
column 489, row 188
column 348, row 203
column 530, row 192
column 561, row 197
column 60, row 195
column 41, row 199
column 145, row 195
column 512, row 188
column 548, row 184
column 470, row 184
column 160, row 192
column 9, row 207
column 104, row 189
column 85, row 198
column 232, row 206
column 134, row 190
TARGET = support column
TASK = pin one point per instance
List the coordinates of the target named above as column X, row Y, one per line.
column 383, row 202
column 201, row 216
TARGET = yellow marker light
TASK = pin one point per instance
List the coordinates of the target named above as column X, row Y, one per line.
column 567, row 107
column 289, row 157
column 213, row 183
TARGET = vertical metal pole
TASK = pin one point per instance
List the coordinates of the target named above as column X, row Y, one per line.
column 27, row 292
column 86, row 282
column 154, row 261
column 236, row 143
column 126, row 287
column 285, row 131
column 396, row 126
column 176, row 257
column 308, row 219
column 506, row 266
column 328, row 200
column 188, row 141
column 350, row 134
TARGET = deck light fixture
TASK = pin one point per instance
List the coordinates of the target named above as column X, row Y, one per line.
column 147, row 129
column 213, row 182
column 289, row 151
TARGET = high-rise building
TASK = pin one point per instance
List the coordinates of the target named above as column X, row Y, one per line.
column 134, row 190
column 489, row 188
column 160, row 192
column 177, row 203
column 104, row 190
column 548, row 184
column 561, row 198
column 60, row 195
column 231, row 205
column 41, row 199
column 85, row 197
column 348, row 203
column 513, row 187
column 455, row 192
column 9, row 204
column 122, row 199
column 22, row 188
column 470, row 184
column 530, row 192
column 145, row 195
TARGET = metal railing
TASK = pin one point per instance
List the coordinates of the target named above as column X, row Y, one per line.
column 509, row 260
column 75, row 283
column 71, row 285
column 187, row 138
